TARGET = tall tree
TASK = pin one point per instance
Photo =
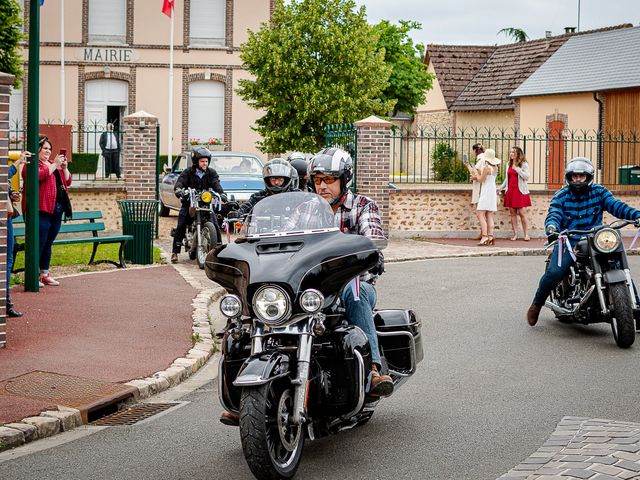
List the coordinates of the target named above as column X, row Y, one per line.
column 516, row 34
column 317, row 62
column 409, row 80
column 10, row 37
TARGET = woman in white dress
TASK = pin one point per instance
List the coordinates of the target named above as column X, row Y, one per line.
column 488, row 201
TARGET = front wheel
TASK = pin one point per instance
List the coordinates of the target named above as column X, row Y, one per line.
column 272, row 444
column 208, row 237
column 622, row 323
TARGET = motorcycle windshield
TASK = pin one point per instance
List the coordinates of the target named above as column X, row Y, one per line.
column 290, row 240
column 291, row 213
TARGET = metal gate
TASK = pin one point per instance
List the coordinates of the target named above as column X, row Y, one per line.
column 345, row 136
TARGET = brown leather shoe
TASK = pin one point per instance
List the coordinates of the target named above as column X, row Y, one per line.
column 381, row 385
column 230, row 419
column 174, row 258
column 533, row 313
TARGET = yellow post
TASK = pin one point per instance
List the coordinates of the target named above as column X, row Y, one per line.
column 15, row 181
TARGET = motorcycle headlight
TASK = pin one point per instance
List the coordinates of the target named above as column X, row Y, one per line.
column 206, row 197
column 606, row 240
column 311, row 300
column 230, row 306
column 271, row 304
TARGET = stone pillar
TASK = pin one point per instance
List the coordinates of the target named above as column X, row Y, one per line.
column 372, row 165
column 139, row 156
column 6, row 81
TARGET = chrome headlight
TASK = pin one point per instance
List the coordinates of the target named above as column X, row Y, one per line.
column 606, row 240
column 311, row 300
column 272, row 305
column 230, row 306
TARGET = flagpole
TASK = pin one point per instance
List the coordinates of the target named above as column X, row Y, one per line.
column 62, row 87
column 170, row 126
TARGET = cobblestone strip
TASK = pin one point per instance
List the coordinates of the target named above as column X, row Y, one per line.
column 584, row 448
column 206, row 322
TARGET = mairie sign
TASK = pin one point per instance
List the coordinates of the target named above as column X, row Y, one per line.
column 107, row 54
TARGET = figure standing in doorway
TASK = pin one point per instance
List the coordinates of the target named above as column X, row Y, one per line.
column 110, row 147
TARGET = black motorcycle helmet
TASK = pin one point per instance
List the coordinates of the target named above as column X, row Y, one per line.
column 335, row 162
column 299, row 162
column 200, row 152
column 277, row 167
column 579, row 165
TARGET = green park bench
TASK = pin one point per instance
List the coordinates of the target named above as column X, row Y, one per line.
column 81, row 223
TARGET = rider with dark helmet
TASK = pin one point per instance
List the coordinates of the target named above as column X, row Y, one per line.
column 278, row 177
column 299, row 162
column 331, row 173
column 199, row 176
column 579, row 205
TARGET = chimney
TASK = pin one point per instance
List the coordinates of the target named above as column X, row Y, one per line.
column 569, row 29
column 547, row 34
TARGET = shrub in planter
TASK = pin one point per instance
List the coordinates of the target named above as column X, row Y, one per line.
column 446, row 165
column 84, row 163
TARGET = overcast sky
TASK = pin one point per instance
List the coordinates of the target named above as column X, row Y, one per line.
column 475, row 22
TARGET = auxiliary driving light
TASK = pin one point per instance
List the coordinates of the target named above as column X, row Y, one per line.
column 230, row 306
column 311, row 300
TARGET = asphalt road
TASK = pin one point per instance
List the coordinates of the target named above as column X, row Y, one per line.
column 490, row 391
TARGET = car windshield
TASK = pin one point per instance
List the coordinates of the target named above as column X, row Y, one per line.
column 288, row 214
column 234, row 164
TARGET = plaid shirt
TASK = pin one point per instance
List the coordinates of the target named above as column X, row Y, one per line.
column 583, row 212
column 359, row 215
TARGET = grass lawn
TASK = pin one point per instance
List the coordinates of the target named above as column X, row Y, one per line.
column 77, row 256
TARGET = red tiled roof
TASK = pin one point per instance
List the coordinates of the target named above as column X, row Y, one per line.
column 481, row 78
column 455, row 66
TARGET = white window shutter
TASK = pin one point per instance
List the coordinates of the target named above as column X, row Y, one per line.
column 206, row 110
column 208, row 20
column 107, row 20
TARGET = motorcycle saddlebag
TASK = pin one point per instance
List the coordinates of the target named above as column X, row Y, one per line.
column 400, row 339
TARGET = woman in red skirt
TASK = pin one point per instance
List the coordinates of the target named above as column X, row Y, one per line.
column 517, row 197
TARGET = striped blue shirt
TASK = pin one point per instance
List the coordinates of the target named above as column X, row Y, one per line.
column 584, row 212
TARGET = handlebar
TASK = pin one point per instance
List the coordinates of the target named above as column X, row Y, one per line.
column 616, row 225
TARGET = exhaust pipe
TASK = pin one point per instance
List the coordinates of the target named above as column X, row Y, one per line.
column 565, row 311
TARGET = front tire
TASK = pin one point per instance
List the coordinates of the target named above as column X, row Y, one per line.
column 272, row 445
column 208, row 237
column 622, row 323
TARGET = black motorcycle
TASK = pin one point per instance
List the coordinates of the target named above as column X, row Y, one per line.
column 598, row 287
column 203, row 233
column 292, row 367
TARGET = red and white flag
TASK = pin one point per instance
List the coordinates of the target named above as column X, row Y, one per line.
column 167, row 7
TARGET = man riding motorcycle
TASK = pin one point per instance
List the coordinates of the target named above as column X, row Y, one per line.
column 577, row 206
column 200, row 177
column 331, row 174
column 278, row 177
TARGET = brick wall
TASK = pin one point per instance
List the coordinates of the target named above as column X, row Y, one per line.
column 86, row 199
column 5, row 82
column 372, row 167
column 139, row 155
column 448, row 212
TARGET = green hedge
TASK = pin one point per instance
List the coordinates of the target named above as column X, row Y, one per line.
column 446, row 166
column 84, row 163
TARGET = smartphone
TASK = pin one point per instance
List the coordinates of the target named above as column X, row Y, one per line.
column 465, row 158
column 63, row 152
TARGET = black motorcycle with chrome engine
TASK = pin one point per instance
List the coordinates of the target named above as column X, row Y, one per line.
column 598, row 287
column 292, row 368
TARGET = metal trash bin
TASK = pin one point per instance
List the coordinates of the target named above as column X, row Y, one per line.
column 629, row 175
column 139, row 220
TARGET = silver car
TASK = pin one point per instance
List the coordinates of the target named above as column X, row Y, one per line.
column 240, row 176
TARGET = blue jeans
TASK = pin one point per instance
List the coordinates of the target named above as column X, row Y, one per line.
column 49, row 228
column 360, row 314
column 553, row 275
column 10, row 244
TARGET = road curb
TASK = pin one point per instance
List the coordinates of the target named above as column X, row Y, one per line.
column 204, row 328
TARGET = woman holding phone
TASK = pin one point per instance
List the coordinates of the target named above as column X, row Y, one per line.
column 53, row 177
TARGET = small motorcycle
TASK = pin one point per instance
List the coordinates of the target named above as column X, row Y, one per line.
column 203, row 233
column 598, row 287
column 292, row 368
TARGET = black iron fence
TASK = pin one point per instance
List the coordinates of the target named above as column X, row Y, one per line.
column 345, row 136
column 87, row 162
column 435, row 156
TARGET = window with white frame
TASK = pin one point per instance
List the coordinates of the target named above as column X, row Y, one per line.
column 107, row 21
column 16, row 123
column 206, row 111
column 207, row 22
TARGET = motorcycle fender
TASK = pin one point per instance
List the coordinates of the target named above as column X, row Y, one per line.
column 261, row 368
column 615, row 276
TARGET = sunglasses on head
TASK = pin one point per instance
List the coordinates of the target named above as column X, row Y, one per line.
column 326, row 180
column 42, row 140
